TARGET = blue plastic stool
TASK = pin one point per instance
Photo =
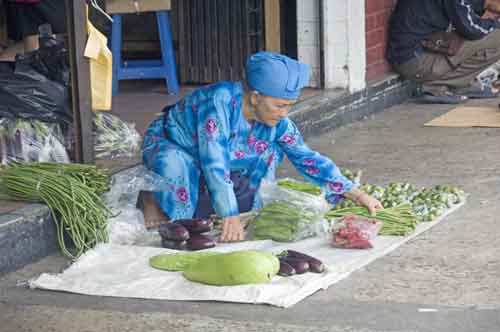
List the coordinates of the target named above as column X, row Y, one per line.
column 145, row 69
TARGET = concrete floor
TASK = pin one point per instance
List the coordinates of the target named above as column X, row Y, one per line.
column 453, row 269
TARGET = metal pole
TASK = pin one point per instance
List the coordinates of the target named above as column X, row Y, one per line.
column 76, row 20
column 322, row 66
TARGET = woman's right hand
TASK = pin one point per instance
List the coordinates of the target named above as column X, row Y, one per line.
column 232, row 230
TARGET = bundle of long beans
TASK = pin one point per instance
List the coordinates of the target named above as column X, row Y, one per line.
column 72, row 194
column 89, row 175
column 398, row 220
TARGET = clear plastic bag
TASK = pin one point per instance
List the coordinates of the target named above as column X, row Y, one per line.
column 31, row 141
column 354, row 232
column 127, row 227
column 115, row 138
column 488, row 76
column 288, row 215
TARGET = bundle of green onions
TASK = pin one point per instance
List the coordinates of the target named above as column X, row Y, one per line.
column 114, row 138
column 300, row 186
column 398, row 220
column 71, row 191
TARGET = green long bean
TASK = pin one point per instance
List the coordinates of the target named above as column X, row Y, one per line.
column 71, row 191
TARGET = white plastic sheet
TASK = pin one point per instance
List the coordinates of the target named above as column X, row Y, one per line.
column 123, row 271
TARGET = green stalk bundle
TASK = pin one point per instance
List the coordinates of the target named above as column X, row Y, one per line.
column 398, row 220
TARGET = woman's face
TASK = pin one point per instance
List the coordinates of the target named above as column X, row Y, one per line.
column 270, row 110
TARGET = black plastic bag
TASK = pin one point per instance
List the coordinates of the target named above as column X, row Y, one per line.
column 36, row 86
column 52, row 59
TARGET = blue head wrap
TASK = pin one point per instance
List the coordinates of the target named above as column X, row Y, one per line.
column 276, row 75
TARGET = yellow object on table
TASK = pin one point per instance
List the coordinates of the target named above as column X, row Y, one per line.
column 101, row 68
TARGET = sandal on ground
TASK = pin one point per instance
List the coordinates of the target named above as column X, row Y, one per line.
column 445, row 98
column 478, row 92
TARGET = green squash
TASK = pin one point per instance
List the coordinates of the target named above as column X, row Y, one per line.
column 177, row 262
column 234, row 268
column 273, row 259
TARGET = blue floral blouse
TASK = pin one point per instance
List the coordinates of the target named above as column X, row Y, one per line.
column 206, row 133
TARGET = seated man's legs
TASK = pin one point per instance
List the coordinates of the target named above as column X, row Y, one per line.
column 475, row 56
column 440, row 74
column 427, row 68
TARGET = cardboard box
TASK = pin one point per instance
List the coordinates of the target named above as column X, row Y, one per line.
column 469, row 116
column 127, row 6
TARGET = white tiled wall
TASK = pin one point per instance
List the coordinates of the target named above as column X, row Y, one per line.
column 356, row 36
column 308, row 37
column 344, row 42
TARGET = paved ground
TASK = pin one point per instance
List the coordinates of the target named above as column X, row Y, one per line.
column 453, row 269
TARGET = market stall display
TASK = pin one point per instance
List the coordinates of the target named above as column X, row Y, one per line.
column 242, row 271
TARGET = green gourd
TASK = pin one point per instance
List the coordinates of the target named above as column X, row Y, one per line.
column 234, row 268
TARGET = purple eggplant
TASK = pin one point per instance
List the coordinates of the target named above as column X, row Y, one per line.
column 200, row 242
column 315, row 265
column 174, row 232
column 300, row 265
column 196, row 226
column 286, row 270
column 177, row 245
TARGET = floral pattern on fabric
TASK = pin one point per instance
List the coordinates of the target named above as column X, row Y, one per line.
column 214, row 140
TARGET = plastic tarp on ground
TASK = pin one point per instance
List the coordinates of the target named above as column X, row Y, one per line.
column 123, row 271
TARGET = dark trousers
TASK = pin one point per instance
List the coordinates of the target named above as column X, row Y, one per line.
column 244, row 196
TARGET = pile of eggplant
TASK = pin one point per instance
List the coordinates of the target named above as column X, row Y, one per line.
column 293, row 262
column 187, row 234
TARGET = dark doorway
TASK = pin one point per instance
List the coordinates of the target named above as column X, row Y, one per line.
column 289, row 27
column 215, row 37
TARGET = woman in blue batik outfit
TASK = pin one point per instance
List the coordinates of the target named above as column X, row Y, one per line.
column 220, row 130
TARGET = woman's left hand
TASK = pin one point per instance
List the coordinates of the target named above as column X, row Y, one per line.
column 363, row 199
column 370, row 202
